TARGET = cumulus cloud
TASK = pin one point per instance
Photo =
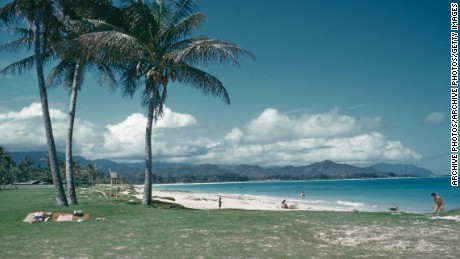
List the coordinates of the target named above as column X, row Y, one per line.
column 272, row 126
column 277, row 139
column 125, row 141
column 23, row 130
column 272, row 138
column 434, row 118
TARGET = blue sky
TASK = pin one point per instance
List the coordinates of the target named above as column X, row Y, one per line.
column 357, row 82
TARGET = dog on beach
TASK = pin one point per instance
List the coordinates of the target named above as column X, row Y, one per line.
column 395, row 209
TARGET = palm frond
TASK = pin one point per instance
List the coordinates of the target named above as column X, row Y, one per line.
column 200, row 50
column 106, row 76
column 115, row 48
column 129, row 80
column 16, row 45
column 184, row 27
column 22, row 33
column 60, row 73
column 64, row 74
column 24, row 40
column 100, row 25
column 199, row 79
column 9, row 12
column 19, row 66
column 91, row 9
column 141, row 22
column 183, row 9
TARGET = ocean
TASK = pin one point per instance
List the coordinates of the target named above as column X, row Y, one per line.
column 411, row 195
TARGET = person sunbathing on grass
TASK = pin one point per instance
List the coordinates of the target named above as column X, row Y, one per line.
column 40, row 216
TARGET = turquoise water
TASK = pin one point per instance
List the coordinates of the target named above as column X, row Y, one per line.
column 409, row 194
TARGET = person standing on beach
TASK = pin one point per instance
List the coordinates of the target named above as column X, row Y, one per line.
column 438, row 203
column 220, row 202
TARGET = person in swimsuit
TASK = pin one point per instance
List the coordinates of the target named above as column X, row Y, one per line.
column 283, row 205
column 438, row 203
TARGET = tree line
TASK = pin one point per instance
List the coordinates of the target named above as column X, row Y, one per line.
column 137, row 44
column 26, row 170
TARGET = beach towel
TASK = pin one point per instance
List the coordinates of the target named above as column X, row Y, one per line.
column 69, row 217
column 64, row 218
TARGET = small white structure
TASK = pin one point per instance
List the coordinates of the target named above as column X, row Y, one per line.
column 118, row 179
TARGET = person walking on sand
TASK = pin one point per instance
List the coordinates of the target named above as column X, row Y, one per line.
column 220, row 202
column 438, row 203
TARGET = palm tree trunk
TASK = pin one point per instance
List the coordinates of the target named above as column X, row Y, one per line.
column 71, row 194
column 147, row 199
column 58, row 187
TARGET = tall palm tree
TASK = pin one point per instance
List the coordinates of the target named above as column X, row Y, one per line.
column 157, row 48
column 71, row 71
column 72, row 68
column 39, row 14
column 74, row 18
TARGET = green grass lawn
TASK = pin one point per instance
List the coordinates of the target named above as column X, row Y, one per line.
column 168, row 231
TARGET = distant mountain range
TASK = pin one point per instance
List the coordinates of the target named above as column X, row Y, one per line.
column 38, row 157
column 326, row 169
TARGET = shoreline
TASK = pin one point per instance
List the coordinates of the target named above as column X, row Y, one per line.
column 206, row 201
column 345, row 195
column 310, row 180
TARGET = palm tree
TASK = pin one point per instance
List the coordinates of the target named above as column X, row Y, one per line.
column 157, row 48
column 71, row 71
column 91, row 173
column 25, row 168
column 74, row 18
column 6, row 166
column 39, row 14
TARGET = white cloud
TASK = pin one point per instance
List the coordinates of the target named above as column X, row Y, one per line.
column 370, row 147
column 175, row 120
column 126, row 140
column 272, row 138
column 434, row 118
column 273, row 126
column 24, row 130
column 234, row 135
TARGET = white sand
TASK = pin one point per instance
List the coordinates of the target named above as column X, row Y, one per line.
column 455, row 218
column 204, row 201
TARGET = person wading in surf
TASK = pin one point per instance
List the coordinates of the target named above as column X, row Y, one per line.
column 438, row 203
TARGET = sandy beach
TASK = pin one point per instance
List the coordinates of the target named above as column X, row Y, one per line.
column 205, row 201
